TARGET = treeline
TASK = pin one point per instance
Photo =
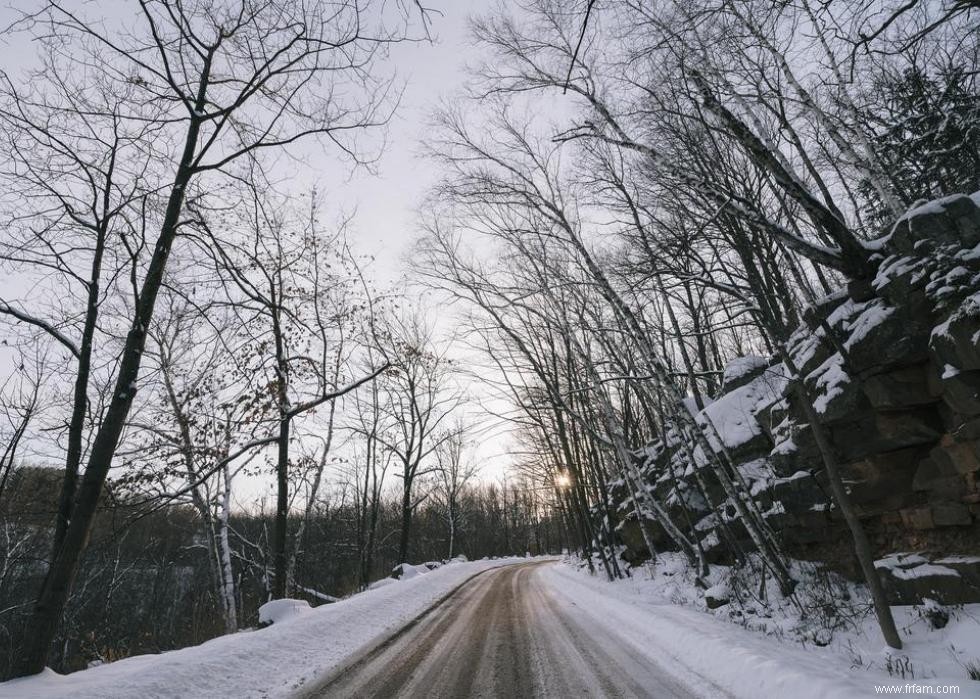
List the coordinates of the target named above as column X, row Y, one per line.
column 712, row 168
column 147, row 584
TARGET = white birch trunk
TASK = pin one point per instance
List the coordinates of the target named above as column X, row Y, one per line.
column 228, row 596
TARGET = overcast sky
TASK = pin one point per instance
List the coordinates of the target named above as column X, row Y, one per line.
column 385, row 199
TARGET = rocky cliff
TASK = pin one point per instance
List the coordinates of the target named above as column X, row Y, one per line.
column 893, row 369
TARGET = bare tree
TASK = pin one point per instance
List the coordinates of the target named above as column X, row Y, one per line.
column 454, row 471
column 204, row 409
column 20, row 395
column 300, row 303
column 217, row 83
column 77, row 182
column 370, row 463
column 419, row 397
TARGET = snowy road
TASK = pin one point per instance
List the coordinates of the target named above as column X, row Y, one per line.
column 505, row 628
column 503, row 634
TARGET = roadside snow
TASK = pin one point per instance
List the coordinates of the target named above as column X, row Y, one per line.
column 410, row 571
column 270, row 662
column 280, row 610
column 703, row 649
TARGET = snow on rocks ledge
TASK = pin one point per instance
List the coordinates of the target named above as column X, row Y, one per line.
column 741, row 370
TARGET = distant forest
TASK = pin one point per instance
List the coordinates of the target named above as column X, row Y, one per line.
column 149, row 581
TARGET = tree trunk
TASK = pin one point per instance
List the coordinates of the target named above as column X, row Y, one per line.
column 280, row 562
column 368, row 566
column 228, row 596
column 76, row 427
column 406, row 523
column 452, row 529
column 862, row 547
column 55, row 590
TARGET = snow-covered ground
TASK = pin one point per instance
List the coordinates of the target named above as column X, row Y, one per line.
column 659, row 616
column 303, row 644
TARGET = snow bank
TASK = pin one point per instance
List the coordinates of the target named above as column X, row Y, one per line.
column 383, row 582
column 280, row 610
column 271, row 662
column 705, row 651
column 407, row 571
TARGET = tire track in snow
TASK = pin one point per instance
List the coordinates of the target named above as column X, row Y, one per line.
column 502, row 634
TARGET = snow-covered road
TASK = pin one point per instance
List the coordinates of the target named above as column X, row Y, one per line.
column 507, row 634
column 512, row 628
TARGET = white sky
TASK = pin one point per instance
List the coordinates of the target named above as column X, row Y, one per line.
column 386, row 201
column 385, row 224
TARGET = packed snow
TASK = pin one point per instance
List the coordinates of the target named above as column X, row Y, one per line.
column 280, row 610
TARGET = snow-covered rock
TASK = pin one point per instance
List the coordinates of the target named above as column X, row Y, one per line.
column 407, row 571
column 281, row 610
column 953, row 219
column 912, row 578
column 741, row 371
column 732, row 417
column 891, row 365
column 717, row 596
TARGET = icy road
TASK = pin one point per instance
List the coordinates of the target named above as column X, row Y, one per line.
column 502, row 634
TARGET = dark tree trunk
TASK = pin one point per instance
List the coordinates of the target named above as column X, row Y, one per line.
column 280, row 560
column 406, row 523
column 862, row 546
column 50, row 605
column 76, row 427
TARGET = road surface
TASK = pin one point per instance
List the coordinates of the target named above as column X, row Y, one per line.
column 503, row 635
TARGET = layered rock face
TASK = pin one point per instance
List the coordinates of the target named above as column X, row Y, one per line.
column 893, row 370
